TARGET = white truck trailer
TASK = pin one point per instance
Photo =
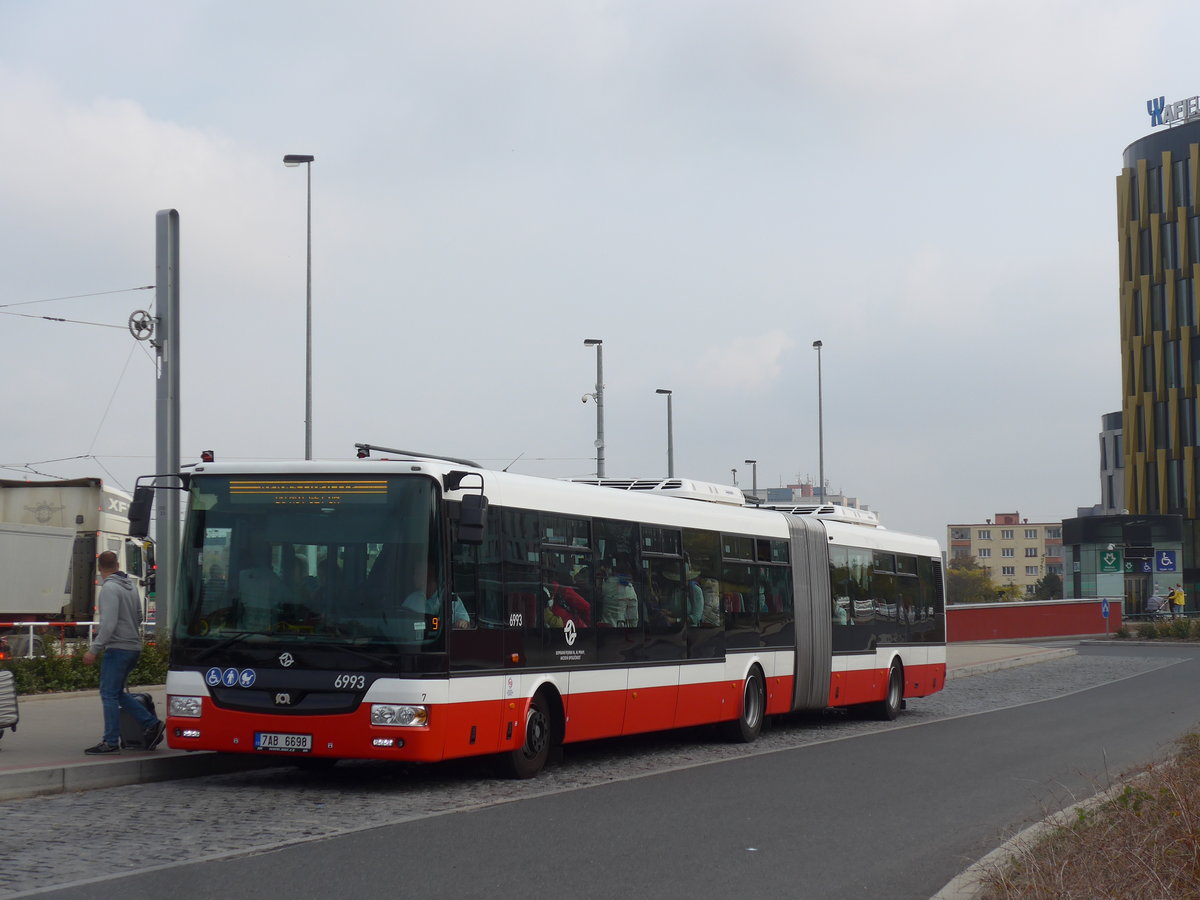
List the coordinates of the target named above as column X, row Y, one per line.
column 50, row 535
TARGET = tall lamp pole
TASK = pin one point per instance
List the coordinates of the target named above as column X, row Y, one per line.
column 296, row 159
column 670, row 435
column 599, row 398
column 820, row 423
column 754, row 476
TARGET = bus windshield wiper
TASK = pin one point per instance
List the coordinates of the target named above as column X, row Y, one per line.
column 228, row 641
column 331, row 645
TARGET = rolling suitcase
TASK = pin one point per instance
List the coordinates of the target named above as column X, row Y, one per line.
column 9, row 714
column 131, row 731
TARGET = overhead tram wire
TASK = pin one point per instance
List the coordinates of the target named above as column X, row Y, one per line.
column 112, row 397
column 29, row 467
column 5, row 306
column 145, row 287
column 58, row 319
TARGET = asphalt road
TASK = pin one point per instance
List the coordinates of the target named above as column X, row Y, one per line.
column 854, row 811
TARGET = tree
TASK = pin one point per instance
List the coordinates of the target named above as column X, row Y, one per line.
column 1009, row 593
column 969, row 582
column 1048, row 587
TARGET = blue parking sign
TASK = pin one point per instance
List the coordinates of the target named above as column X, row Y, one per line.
column 1164, row 560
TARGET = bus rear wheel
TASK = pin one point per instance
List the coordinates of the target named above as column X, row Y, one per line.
column 746, row 727
column 889, row 707
column 530, row 758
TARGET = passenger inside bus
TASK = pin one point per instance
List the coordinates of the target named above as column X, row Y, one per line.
column 428, row 602
column 620, row 601
column 564, row 604
column 260, row 591
column 711, row 591
column 664, row 602
column 695, row 609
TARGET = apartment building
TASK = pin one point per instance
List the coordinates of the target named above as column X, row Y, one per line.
column 1014, row 550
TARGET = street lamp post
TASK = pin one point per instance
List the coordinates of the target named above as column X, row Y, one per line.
column 753, row 476
column 599, row 398
column 670, row 435
column 296, row 159
column 820, row 423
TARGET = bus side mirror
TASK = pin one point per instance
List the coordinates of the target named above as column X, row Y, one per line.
column 139, row 512
column 472, row 519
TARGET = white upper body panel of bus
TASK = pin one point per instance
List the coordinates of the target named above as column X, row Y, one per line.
column 507, row 489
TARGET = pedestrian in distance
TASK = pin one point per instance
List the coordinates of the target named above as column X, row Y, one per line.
column 121, row 644
column 1178, row 600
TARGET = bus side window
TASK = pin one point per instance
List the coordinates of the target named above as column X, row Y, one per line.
column 464, row 583
column 489, row 609
column 522, row 569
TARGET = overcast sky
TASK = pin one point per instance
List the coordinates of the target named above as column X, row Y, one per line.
column 926, row 187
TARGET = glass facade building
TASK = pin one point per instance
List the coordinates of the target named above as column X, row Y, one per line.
column 1133, row 557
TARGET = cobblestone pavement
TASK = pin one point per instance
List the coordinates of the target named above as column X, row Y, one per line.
column 65, row 839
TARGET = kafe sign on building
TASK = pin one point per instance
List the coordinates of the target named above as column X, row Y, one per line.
column 1164, row 113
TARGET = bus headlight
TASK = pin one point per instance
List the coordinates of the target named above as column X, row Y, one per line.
column 390, row 714
column 185, row 706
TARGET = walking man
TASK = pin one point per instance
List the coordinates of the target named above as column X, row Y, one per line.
column 118, row 637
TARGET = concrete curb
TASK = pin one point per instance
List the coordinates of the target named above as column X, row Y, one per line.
column 21, row 784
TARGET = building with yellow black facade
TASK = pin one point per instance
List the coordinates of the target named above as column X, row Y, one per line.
column 1158, row 229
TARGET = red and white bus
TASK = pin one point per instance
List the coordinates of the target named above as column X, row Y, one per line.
column 420, row 609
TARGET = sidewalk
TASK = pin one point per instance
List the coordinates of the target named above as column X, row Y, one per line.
column 974, row 659
column 45, row 754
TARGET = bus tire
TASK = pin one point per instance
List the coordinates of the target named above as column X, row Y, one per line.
column 530, row 758
column 889, row 707
column 746, row 727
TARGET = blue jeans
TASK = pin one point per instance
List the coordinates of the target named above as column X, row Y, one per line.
column 115, row 667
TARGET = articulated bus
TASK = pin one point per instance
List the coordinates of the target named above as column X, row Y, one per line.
column 420, row 609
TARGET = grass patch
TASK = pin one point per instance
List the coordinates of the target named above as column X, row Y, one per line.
column 1141, row 843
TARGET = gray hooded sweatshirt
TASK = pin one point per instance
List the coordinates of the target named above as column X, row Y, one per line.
column 120, row 612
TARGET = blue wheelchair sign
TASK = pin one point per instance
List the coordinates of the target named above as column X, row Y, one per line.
column 1164, row 560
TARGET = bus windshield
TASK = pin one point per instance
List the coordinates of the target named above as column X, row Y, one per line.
column 348, row 563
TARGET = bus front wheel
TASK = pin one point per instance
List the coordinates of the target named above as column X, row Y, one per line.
column 529, row 759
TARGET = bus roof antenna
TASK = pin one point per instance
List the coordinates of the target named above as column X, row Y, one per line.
column 365, row 451
column 514, row 462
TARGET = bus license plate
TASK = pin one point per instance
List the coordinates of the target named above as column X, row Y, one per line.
column 282, row 743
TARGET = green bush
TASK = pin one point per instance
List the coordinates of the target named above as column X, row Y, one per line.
column 1123, row 633
column 1181, row 629
column 1147, row 631
column 58, row 671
